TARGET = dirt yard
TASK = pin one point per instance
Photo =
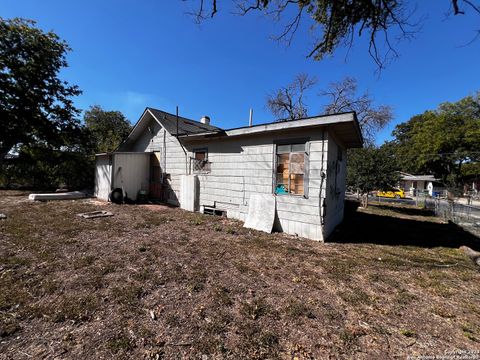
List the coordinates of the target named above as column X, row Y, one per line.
column 154, row 282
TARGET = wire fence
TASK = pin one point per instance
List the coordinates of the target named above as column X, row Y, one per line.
column 462, row 212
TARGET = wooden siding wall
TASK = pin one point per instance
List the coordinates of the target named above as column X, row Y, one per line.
column 103, row 177
column 336, row 179
column 243, row 166
column 173, row 159
column 131, row 171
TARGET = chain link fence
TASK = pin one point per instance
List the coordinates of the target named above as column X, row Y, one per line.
column 462, row 212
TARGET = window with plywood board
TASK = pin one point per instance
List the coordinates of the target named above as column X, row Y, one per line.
column 291, row 160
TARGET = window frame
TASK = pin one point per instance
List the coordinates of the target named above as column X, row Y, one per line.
column 200, row 150
column 306, row 165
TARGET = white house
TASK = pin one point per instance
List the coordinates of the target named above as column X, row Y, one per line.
column 300, row 164
column 415, row 183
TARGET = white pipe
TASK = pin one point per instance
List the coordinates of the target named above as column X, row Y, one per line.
column 250, row 121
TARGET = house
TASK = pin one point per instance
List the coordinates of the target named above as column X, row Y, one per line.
column 420, row 183
column 301, row 164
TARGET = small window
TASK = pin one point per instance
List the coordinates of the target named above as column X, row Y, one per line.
column 201, row 155
column 199, row 161
column 290, row 172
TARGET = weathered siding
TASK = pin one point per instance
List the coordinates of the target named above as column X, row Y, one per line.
column 336, row 177
column 103, row 177
column 243, row 166
column 173, row 157
column 131, row 172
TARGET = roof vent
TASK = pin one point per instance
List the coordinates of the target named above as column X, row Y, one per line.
column 205, row 120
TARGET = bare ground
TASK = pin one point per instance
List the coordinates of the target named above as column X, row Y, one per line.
column 155, row 282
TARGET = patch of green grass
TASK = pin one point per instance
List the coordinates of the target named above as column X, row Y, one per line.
column 231, row 231
column 77, row 308
column 8, row 326
column 443, row 312
column 257, row 342
column 403, row 297
column 255, row 309
column 348, row 338
column 13, row 291
column 356, row 297
column 83, row 261
column 469, row 332
column 408, row 333
column 120, row 343
column 197, row 280
column 172, row 319
column 296, row 309
column 197, row 219
column 222, row 296
column 128, row 294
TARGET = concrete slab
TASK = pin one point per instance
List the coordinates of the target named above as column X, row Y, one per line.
column 72, row 195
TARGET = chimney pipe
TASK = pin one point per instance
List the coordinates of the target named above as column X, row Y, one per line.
column 250, row 120
column 205, row 120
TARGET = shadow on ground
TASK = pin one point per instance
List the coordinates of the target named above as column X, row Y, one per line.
column 362, row 227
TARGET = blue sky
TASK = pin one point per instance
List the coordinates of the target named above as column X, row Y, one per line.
column 131, row 54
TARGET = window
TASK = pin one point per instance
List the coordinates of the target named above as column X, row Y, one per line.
column 290, row 172
column 199, row 161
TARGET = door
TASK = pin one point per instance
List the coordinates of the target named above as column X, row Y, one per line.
column 156, row 180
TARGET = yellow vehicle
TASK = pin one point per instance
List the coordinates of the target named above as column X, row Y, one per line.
column 394, row 193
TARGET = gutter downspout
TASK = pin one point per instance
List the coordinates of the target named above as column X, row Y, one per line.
column 181, row 145
column 323, row 207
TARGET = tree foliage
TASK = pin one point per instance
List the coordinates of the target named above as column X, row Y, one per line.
column 337, row 23
column 343, row 97
column 371, row 168
column 35, row 105
column 106, row 129
column 440, row 142
column 288, row 103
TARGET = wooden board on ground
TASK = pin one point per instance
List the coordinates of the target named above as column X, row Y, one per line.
column 72, row 195
column 261, row 212
column 95, row 214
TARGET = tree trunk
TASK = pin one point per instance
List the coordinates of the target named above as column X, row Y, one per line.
column 365, row 200
column 3, row 152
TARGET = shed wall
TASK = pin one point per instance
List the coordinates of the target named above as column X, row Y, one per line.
column 103, row 176
column 336, row 178
column 131, row 172
column 241, row 167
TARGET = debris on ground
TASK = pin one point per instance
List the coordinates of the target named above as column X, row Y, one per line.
column 472, row 254
column 95, row 214
column 73, row 195
column 3, row 216
column 218, row 289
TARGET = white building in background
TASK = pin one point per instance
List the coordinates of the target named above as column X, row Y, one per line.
column 425, row 183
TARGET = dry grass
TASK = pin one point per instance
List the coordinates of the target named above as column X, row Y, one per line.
column 75, row 288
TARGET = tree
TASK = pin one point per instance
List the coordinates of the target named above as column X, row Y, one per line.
column 340, row 23
column 107, row 129
column 371, row 168
column 440, row 142
column 35, row 105
column 343, row 97
column 287, row 103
